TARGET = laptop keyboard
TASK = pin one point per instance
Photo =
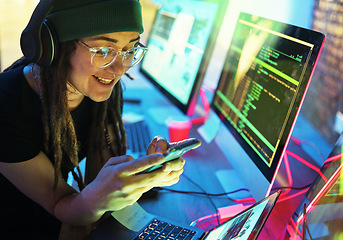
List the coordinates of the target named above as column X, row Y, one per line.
column 159, row 230
column 137, row 138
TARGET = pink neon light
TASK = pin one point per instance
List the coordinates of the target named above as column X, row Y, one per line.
column 325, row 188
column 204, row 100
column 206, row 217
column 333, row 158
column 206, row 106
column 296, row 229
column 296, row 140
column 192, row 105
column 307, row 164
column 293, row 195
column 244, row 200
column 289, row 174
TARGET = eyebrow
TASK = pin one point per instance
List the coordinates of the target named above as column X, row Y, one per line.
column 114, row 40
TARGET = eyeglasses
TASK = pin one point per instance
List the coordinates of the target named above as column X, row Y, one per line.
column 103, row 57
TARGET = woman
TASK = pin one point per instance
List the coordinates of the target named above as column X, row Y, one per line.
column 52, row 117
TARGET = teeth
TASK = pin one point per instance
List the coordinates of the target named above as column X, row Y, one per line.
column 103, row 80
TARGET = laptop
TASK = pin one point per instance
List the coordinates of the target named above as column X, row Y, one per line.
column 245, row 225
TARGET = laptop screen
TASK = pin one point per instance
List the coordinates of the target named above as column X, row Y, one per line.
column 247, row 224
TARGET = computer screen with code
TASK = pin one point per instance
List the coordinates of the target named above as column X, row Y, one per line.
column 263, row 82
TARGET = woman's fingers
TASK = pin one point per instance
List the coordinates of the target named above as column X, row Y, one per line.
column 158, row 145
column 136, row 166
column 168, row 175
column 174, row 165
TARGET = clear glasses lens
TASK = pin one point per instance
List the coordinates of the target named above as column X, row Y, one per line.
column 104, row 57
column 133, row 57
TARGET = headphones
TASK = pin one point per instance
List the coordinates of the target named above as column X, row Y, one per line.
column 39, row 41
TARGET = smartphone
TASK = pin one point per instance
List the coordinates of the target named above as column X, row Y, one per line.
column 177, row 151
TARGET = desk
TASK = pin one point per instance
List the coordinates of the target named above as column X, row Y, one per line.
column 201, row 165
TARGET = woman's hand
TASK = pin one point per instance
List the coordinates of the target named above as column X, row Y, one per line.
column 120, row 182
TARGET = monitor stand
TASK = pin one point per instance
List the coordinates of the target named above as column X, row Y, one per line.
column 243, row 172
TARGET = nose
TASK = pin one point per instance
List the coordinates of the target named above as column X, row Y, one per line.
column 117, row 68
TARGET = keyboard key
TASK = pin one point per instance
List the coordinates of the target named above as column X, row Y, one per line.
column 192, row 233
column 148, row 230
column 177, row 229
column 162, row 224
column 169, row 227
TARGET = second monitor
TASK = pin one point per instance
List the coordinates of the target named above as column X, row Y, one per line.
column 181, row 41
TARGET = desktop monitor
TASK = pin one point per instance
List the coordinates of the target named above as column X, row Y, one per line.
column 180, row 44
column 264, row 79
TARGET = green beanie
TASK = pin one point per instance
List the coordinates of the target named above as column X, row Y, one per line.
column 73, row 19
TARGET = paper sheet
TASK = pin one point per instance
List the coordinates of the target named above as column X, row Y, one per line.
column 209, row 130
column 133, row 217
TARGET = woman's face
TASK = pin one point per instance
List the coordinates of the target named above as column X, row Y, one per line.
column 94, row 83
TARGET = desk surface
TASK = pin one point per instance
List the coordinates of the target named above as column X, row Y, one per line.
column 201, row 165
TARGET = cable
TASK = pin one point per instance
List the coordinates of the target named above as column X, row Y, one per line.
column 202, row 193
column 299, row 141
column 224, row 193
column 293, row 188
column 209, row 198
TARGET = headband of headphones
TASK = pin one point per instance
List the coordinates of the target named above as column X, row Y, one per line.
column 64, row 20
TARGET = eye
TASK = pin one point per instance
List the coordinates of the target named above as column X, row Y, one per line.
column 130, row 47
column 103, row 52
column 130, row 51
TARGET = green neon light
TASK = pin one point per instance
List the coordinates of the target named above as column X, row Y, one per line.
column 245, row 120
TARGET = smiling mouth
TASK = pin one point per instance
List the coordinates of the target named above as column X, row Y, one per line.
column 103, row 80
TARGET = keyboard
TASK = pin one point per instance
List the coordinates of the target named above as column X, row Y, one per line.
column 160, row 230
column 137, row 138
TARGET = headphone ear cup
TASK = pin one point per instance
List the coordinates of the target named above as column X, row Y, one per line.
column 49, row 45
column 30, row 40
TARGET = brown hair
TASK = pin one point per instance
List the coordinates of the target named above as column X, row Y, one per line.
column 60, row 136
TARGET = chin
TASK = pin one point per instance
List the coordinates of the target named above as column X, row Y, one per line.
column 100, row 98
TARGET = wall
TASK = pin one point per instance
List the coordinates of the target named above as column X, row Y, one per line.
column 325, row 96
column 14, row 16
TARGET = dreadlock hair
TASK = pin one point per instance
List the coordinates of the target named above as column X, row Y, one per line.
column 59, row 130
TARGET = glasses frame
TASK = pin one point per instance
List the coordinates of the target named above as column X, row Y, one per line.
column 94, row 50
